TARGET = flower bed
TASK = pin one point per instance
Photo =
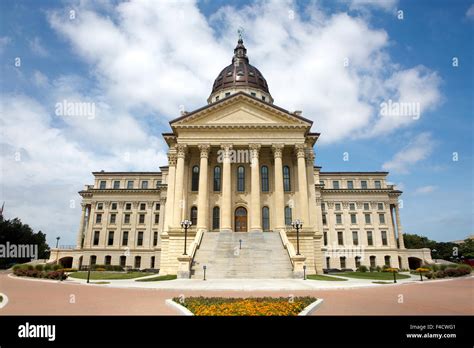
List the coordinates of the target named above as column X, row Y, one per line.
column 252, row 306
column 54, row 275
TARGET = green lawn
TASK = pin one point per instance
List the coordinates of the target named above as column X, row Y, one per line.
column 158, row 278
column 324, row 277
column 109, row 275
column 373, row 275
column 381, row 282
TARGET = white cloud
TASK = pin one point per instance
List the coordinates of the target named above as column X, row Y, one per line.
column 386, row 5
column 37, row 47
column 425, row 189
column 415, row 151
column 40, row 79
column 4, row 42
column 470, row 12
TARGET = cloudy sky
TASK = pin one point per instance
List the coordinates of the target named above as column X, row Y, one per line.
column 139, row 62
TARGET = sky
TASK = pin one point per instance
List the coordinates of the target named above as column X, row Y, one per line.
column 348, row 65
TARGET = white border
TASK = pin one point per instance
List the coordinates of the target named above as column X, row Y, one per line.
column 311, row 307
column 183, row 310
column 5, row 300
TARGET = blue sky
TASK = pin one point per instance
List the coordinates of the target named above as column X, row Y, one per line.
column 139, row 61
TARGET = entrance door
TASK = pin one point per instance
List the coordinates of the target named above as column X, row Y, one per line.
column 241, row 219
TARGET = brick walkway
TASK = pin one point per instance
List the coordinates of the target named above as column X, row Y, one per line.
column 453, row 297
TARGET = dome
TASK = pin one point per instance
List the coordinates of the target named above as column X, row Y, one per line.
column 241, row 75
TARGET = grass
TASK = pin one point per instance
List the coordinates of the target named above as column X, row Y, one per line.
column 158, row 278
column 100, row 283
column 324, row 277
column 373, row 275
column 380, row 282
column 109, row 275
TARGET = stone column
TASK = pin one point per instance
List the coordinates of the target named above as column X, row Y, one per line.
column 302, row 184
column 313, row 209
column 255, row 211
column 226, row 213
column 279, row 194
column 203, row 202
column 399, row 227
column 179, row 183
column 88, row 236
column 162, row 213
column 168, row 218
column 80, row 234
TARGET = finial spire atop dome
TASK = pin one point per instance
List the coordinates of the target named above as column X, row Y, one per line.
column 240, row 52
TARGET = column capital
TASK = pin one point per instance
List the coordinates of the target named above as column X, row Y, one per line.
column 227, row 148
column 254, row 150
column 172, row 159
column 300, row 150
column 84, row 205
column 182, row 149
column 278, row 150
column 310, row 155
column 204, row 150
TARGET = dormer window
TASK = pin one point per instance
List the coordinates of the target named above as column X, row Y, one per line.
column 253, row 94
column 217, row 98
column 240, row 73
column 227, row 94
column 263, row 98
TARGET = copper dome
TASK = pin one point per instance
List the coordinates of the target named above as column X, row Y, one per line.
column 240, row 73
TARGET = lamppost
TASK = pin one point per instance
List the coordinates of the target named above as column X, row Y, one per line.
column 57, row 250
column 185, row 224
column 304, row 272
column 298, row 225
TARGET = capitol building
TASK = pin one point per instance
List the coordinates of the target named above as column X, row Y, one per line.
column 242, row 171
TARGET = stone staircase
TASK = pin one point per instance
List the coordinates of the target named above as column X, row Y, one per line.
column 262, row 256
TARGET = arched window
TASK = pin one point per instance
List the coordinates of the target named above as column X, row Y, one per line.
column 286, row 179
column 288, row 216
column 215, row 218
column 264, row 175
column 217, row 179
column 194, row 215
column 240, row 179
column 266, row 219
column 195, row 179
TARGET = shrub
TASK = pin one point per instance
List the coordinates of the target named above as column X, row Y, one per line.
column 29, row 267
column 440, row 274
column 100, row 269
column 372, row 269
column 69, row 270
column 434, row 267
column 362, row 269
column 16, row 267
column 443, row 267
column 57, row 267
column 465, row 268
column 39, row 267
column 378, row 269
column 430, row 275
column 48, row 267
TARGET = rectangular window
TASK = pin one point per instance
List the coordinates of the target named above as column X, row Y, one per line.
column 382, row 219
column 116, row 184
column 370, row 239
column 157, row 218
column 343, row 262
column 157, row 206
column 155, row 238
column 126, row 219
column 372, row 262
column 144, row 184
column 338, row 219
column 380, row 206
column 321, row 182
column 158, row 183
column 98, row 218
column 353, row 219
column 227, row 94
column 253, row 94
column 113, row 206
column 367, row 218
column 100, row 206
column 352, row 206
column 102, row 185
column 142, row 206
column 140, row 239
column 384, row 238
column 141, row 219
column 323, row 207
column 110, row 241
column 125, row 238
column 335, row 185
column 328, row 262
column 340, row 238
column 366, row 206
column 337, row 206
column 128, row 206
column 130, row 184
column 325, row 221
column 378, row 184
column 363, row 184
column 387, row 260
column 350, row 184
column 108, row 260
column 96, row 237
column 123, row 260
column 112, row 218
column 325, row 238
column 355, row 238
column 288, row 216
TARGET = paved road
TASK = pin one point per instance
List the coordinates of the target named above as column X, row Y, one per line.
column 27, row 297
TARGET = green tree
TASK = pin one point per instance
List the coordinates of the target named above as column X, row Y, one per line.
column 466, row 249
column 15, row 232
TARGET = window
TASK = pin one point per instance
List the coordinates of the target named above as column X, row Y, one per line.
column 253, row 94
column 98, row 218
column 110, row 241
column 387, row 260
column 157, row 206
column 140, row 239
column 194, row 215
column 144, row 184
column 96, row 237
column 152, row 262
column 370, row 239
column 263, row 98
column 142, row 206
column 141, row 218
column 123, row 261
column 343, row 262
column 357, row 261
column 125, row 238
column 328, row 262
column 128, row 206
column 288, row 216
column 353, row 219
column 378, row 185
column 138, row 261
column 158, row 183
column 366, row 206
column 286, row 179
column 217, row 179
column 102, row 185
column 367, row 218
column 155, row 239
column 352, row 206
column 340, row 238
column 355, row 238
column 337, row 206
column 217, row 98
column 363, row 184
column 325, row 221
column 338, row 219
column 195, row 179
column 113, row 218
column 266, row 219
column 325, row 238
column 382, row 219
column 215, row 218
column 321, row 182
column 350, row 184
column 335, row 185
column 100, row 206
column 372, row 262
column 113, row 206
column 130, row 184
column 384, row 237
column 116, row 184
column 227, row 94
column 157, row 218
column 108, row 260
column 126, row 219
column 240, row 179
column 323, row 207
column 265, row 181
column 93, row 260
column 380, row 206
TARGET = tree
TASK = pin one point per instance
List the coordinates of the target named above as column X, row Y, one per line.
column 414, row 241
column 14, row 232
column 444, row 250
